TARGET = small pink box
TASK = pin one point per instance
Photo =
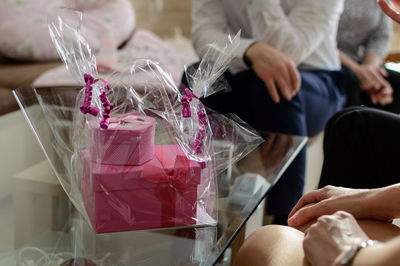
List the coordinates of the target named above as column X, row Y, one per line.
column 160, row 193
column 129, row 140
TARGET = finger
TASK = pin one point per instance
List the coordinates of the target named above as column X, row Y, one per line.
column 366, row 83
column 295, row 78
column 385, row 95
column 307, row 213
column 374, row 98
column 377, row 80
column 312, row 197
column 284, row 88
column 389, row 11
column 273, row 92
column 383, row 72
column 387, row 89
column 386, row 99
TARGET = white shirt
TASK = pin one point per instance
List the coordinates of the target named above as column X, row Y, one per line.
column 304, row 30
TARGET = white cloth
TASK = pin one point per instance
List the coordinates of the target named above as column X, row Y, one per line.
column 305, row 30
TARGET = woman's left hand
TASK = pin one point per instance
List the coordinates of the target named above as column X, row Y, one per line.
column 326, row 241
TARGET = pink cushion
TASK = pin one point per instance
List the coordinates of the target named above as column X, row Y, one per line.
column 24, row 33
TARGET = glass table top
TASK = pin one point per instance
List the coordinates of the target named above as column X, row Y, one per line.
column 43, row 225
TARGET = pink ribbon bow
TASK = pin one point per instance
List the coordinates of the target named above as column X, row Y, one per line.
column 87, row 108
column 171, row 186
column 197, row 145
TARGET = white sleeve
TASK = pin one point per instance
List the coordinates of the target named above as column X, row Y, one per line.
column 210, row 24
column 298, row 33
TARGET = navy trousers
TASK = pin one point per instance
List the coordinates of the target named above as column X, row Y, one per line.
column 321, row 95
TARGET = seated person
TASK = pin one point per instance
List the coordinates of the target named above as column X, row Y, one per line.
column 336, row 238
column 268, row 91
column 363, row 38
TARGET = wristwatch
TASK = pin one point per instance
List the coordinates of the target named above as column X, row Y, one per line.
column 349, row 256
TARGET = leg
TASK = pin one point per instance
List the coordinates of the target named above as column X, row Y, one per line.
column 279, row 245
column 255, row 106
column 320, row 97
column 322, row 94
column 317, row 100
column 358, row 149
column 272, row 245
column 250, row 100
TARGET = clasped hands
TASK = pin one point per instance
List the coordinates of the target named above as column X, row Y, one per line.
column 372, row 80
column 335, row 230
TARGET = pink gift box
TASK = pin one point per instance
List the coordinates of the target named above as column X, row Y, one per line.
column 160, row 193
column 129, row 140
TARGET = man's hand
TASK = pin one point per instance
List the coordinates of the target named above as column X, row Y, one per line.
column 275, row 69
column 372, row 79
column 326, row 241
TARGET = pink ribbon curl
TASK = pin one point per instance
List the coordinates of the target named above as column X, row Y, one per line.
column 87, row 108
column 197, row 145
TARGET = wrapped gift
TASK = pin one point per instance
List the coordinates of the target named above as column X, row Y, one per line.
column 129, row 140
column 160, row 193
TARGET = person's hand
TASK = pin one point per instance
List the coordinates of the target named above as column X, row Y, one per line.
column 326, row 241
column 275, row 69
column 383, row 96
column 372, row 79
column 268, row 156
column 328, row 200
column 274, row 149
column 393, row 14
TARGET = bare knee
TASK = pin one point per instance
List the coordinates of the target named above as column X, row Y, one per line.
column 271, row 245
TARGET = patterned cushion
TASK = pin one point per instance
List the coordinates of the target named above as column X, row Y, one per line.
column 24, row 33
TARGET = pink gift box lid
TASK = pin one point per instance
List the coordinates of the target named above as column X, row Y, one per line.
column 124, row 129
column 169, row 162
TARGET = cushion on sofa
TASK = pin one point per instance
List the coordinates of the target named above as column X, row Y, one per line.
column 25, row 36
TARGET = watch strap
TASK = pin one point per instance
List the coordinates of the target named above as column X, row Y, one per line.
column 349, row 256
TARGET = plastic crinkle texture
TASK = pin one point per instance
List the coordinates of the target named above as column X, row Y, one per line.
column 136, row 152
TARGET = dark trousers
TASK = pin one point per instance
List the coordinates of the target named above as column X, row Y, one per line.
column 356, row 96
column 361, row 148
column 321, row 95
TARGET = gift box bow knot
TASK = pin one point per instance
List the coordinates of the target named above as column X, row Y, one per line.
column 176, row 178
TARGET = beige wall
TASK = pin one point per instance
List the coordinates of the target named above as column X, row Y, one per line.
column 174, row 14
column 394, row 46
